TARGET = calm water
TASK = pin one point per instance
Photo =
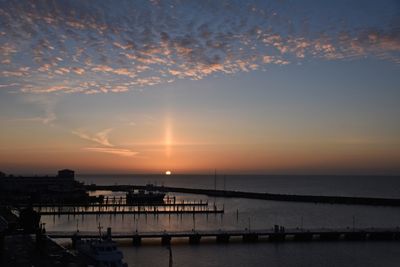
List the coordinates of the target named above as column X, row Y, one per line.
column 257, row 214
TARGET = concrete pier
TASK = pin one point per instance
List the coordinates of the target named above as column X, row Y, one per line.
column 271, row 235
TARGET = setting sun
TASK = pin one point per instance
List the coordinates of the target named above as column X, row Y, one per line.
column 168, row 173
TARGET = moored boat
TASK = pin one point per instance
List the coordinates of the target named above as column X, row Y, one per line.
column 144, row 197
column 102, row 251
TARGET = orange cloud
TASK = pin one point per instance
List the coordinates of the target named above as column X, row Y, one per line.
column 116, row 52
column 100, row 138
column 114, row 151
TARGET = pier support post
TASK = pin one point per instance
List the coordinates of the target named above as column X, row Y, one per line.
column 194, row 239
column 1, row 243
column 277, row 237
column 223, row 238
column 250, row 238
column 74, row 239
column 329, row 236
column 381, row 236
column 355, row 236
column 303, row 236
column 165, row 240
column 136, row 240
column 396, row 236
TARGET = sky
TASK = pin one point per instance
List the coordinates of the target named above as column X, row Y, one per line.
column 262, row 87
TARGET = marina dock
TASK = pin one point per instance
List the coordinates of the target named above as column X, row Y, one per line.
column 148, row 212
column 118, row 203
column 185, row 208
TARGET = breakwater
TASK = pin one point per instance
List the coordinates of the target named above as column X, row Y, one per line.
column 253, row 195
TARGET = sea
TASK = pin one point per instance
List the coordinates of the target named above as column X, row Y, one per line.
column 253, row 214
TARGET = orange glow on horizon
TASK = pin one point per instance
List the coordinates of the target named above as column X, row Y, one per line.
column 168, row 142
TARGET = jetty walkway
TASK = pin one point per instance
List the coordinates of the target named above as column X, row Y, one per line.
column 253, row 195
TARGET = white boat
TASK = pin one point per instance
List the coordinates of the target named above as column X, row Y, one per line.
column 102, row 251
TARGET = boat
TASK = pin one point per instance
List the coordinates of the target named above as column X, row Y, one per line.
column 102, row 251
column 144, row 197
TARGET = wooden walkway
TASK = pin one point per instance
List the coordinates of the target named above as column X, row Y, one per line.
column 170, row 206
column 128, row 209
column 102, row 212
column 118, row 203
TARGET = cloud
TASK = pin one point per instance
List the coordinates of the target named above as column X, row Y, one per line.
column 104, row 145
column 6, row 73
column 47, row 106
column 47, row 119
column 45, row 89
column 89, row 47
column 115, row 151
column 78, row 71
column 9, row 85
column 100, row 138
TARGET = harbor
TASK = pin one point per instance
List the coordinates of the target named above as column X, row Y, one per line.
column 227, row 133
column 173, row 216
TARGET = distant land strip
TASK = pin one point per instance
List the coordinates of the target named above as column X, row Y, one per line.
column 253, row 195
